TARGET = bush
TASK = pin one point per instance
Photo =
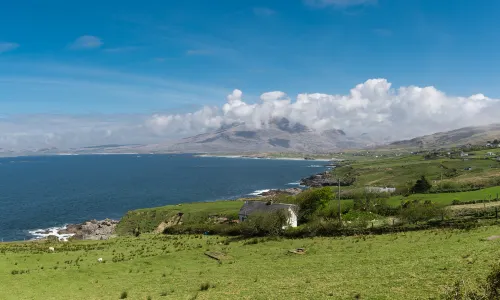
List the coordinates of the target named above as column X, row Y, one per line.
column 311, row 201
column 359, row 219
column 415, row 211
column 123, row 295
column 421, row 186
column 272, row 224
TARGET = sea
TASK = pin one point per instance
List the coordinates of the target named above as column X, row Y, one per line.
column 49, row 192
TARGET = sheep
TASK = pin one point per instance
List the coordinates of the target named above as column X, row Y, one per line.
column 99, row 259
column 51, row 249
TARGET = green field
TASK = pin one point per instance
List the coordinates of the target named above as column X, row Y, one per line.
column 147, row 219
column 415, row 265
column 447, row 198
column 402, row 171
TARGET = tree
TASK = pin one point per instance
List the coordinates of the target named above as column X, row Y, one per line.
column 313, row 200
column 421, row 186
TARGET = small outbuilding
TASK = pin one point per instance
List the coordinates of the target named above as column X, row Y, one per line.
column 251, row 207
column 376, row 189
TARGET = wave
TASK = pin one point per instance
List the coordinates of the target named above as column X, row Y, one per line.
column 315, row 166
column 259, row 192
column 293, row 183
column 43, row 233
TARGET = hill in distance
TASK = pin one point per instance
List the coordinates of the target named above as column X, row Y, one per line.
column 458, row 137
column 280, row 135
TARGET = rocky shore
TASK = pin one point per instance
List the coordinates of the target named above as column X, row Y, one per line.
column 324, row 179
column 91, row 230
column 290, row 191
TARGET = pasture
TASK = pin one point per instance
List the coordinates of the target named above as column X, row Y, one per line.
column 412, row 265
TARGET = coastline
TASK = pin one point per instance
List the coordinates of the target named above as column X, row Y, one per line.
column 263, row 157
column 62, row 232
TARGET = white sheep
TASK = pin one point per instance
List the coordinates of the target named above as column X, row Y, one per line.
column 51, row 249
column 99, row 259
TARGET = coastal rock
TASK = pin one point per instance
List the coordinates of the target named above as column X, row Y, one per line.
column 290, row 191
column 91, row 230
column 324, row 179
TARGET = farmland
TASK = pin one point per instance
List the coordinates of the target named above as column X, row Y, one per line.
column 413, row 265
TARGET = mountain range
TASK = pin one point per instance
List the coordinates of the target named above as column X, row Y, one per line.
column 281, row 135
column 458, row 137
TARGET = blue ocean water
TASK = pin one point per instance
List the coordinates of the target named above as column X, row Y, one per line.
column 50, row 191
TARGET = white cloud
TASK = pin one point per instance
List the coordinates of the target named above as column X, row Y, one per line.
column 86, row 42
column 337, row 3
column 372, row 107
column 263, row 11
column 6, row 47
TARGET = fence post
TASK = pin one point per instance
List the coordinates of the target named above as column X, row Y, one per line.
column 496, row 212
column 497, row 196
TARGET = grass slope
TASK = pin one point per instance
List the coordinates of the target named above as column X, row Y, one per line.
column 148, row 219
column 447, row 198
column 415, row 265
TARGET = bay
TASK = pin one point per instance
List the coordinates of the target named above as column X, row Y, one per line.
column 51, row 191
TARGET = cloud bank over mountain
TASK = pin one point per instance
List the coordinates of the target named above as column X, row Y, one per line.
column 373, row 107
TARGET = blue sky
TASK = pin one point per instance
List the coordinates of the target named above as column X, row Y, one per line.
column 123, row 57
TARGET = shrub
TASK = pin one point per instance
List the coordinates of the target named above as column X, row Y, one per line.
column 265, row 224
column 123, row 295
column 421, row 186
column 372, row 202
column 415, row 211
column 359, row 219
column 313, row 200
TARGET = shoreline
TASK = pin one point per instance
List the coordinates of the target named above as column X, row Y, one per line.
column 63, row 233
column 263, row 157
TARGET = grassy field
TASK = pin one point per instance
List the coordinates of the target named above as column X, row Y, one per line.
column 402, row 171
column 148, row 219
column 415, row 265
column 447, row 198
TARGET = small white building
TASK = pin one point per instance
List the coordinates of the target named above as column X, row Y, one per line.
column 376, row 189
column 251, row 207
column 490, row 154
column 463, row 154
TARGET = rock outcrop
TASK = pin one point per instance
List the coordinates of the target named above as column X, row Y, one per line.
column 325, row 179
column 291, row 191
column 91, row 230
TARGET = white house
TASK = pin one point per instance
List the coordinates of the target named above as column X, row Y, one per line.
column 251, row 207
column 375, row 189
column 463, row 154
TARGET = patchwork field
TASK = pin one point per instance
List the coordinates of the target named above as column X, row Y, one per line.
column 413, row 265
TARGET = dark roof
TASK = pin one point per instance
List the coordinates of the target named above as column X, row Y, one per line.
column 251, row 207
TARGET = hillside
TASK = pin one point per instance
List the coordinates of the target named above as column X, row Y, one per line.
column 280, row 135
column 463, row 136
column 414, row 265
